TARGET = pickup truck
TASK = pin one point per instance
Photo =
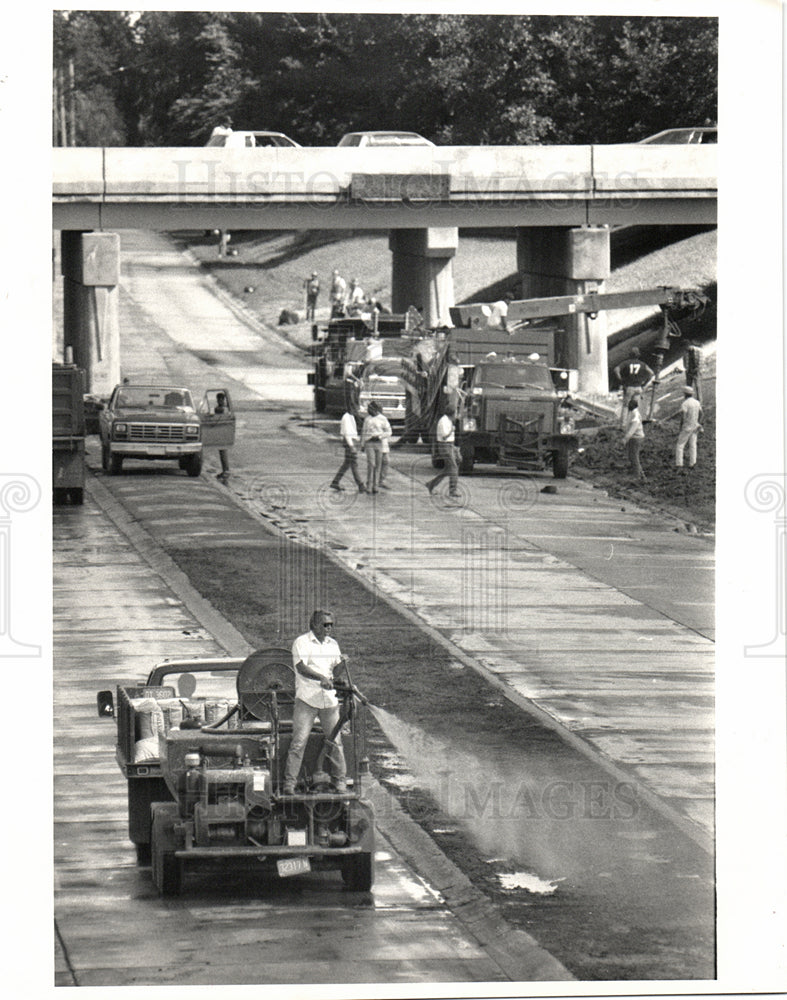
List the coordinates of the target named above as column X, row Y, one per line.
column 153, row 422
column 202, row 744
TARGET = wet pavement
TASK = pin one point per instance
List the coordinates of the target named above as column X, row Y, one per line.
column 115, row 616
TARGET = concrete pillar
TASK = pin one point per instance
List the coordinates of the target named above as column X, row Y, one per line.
column 564, row 261
column 423, row 273
column 90, row 263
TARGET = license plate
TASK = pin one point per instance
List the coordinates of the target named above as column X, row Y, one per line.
column 293, row 866
column 157, row 449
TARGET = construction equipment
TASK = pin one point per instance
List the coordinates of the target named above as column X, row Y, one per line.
column 205, row 772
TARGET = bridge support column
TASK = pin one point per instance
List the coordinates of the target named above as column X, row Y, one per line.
column 90, row 264
column 564, row 261
column 423, row 273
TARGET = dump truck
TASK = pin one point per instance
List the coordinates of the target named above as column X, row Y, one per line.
column 350, row 357
column 203, row 743
column 68, row 433
column 510, row 393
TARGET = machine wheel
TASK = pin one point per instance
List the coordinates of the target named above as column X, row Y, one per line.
column 105, row 463
column 358, row 872
column 167, row 869
column 468, row 460
column 193, row 465
column 560, row 464
column 115, row 464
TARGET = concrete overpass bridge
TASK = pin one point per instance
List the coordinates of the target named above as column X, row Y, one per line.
column 561, row 200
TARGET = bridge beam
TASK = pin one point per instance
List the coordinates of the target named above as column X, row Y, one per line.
column 422, row 272
column 570, row 261
column 90, row 264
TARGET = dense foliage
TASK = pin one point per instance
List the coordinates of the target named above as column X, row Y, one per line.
column 166, row 78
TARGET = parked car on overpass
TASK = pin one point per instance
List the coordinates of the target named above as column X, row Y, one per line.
column 384, row 139
column 683, row 136
column 247, row 140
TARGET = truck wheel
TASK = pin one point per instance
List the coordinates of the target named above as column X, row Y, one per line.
column 105, row 456
column 560, row 464
column 468, row 460
column 143, row 854
column 115, row 464
column 167, row 869
column 358, row 872
column 194, row 465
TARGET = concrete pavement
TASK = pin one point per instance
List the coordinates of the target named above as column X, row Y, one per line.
column 590, row 612
column 120, row 606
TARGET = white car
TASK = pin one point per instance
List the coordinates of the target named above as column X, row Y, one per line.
column 248, row 140
column 384, row 139
column 683, row 136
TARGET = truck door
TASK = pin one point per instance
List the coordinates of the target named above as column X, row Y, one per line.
column 218, row 428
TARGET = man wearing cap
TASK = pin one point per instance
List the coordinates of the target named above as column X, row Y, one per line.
column 315, row 654
column 690, row 426
column 312, row 286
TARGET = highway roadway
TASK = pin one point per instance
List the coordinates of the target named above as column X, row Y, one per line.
column 591, row 617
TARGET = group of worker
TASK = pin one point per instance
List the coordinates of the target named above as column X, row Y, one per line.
column 345, row 299
column 635, row 377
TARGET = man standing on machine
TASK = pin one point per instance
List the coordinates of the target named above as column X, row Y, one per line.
column 315, row 654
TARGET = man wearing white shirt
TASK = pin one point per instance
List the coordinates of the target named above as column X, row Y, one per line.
column 690, row 413
column 445, row 450
column 314, row 656
column 348, row 431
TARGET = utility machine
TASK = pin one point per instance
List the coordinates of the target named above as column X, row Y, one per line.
column 203, row 744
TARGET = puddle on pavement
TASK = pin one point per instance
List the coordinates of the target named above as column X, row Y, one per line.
column 528, row 882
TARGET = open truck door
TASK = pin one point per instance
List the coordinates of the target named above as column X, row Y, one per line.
column 217, row 418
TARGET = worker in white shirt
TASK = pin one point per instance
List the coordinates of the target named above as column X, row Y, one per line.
column 445, row 449
column 348, row 431
column 315, row 654
column 690, row 426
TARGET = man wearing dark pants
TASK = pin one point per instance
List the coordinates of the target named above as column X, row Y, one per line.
column 446, row 451
column 348, row 429
column 315, row 654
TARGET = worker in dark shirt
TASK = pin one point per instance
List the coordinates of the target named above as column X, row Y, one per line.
column 634, row 376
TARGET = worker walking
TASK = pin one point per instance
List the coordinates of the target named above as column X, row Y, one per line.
column 690, row 427
column 633, row 437
column 315, row 656
column 348, row 431
column 634, row 376
column 446, row 450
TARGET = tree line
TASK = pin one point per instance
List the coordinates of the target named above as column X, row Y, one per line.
column 163, row 78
